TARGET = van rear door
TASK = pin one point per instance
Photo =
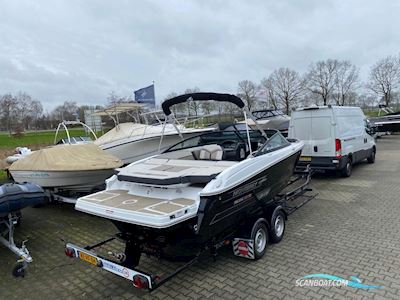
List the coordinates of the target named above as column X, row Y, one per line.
column 322, row 133
column 300, row 128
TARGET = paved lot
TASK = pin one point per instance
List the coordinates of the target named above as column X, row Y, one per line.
column 351, row 228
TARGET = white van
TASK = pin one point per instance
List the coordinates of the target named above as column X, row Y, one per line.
column 335, row 137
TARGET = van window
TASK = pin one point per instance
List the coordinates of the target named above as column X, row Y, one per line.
column 321, row 128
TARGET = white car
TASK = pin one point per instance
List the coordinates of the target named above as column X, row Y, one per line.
column 335, row 137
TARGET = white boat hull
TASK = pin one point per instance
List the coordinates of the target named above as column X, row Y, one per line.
column 136, row 148
column 79, row 181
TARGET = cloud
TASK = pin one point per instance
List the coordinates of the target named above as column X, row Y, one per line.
column 82, row 50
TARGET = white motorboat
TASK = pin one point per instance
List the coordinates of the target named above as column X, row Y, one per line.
column 134, row 141
column 270, row 119
column 199, row 192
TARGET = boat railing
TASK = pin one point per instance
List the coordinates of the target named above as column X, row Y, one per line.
column 64, row 124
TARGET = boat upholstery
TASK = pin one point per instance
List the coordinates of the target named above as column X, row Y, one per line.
column 163, row 171
column 209, row 152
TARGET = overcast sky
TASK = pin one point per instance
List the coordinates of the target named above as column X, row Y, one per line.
column 81, row 50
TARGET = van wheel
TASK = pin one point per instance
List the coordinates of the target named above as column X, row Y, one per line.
column 277, row 226
column 371, row 157
column 259, row 235
column 346, row 171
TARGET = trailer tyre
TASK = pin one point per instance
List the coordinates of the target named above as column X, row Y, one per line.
column 259, row 235
column 277, row 229
column 19, row 270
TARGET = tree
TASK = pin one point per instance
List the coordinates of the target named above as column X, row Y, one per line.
column 385, row 78
column 66, row 111
column 247, row 91
column 266, row 88
column 8, row 110
column 346, row 76
column 193, row 105
column 36, row 111
column 207, row 107
column 287, row 86
column 24, row 109
column 321, row 78
column 114, row 98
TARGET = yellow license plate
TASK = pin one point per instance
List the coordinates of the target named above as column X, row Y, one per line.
column 88, row 258
column 305, row 158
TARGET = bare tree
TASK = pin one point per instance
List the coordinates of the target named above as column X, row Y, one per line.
column 8, row 110
column 287, row 86
column 321, row 78
column 346, row 76
column 114, row 98
column 385, row 78
column 193, row 105
column 208, row 106
column 66, row 111
column 24, row 109
column 268, row 91
column 36, row 111
column 247, row 91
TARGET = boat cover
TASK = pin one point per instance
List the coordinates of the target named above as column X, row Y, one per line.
column 14, row 197
column 127, row 130
column 75, row 157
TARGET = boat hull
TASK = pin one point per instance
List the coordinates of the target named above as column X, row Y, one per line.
column 135, row 149
column 78, row 181
column 219, row 214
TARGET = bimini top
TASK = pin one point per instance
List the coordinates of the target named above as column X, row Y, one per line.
column 200, row 97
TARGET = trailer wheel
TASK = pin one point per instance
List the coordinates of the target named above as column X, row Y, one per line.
column 19, row 270
column 277, row 229
column 259, row 235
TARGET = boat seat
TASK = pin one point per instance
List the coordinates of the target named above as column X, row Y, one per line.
column 209, row 152
column 173, row 171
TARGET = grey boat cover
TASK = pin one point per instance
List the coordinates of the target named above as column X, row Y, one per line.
column 14, row 197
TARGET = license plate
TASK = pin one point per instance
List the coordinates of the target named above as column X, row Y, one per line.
column 305, row 158
column 88, row 258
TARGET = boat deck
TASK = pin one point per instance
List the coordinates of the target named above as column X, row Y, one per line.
column 173, row 171
column 119, row 205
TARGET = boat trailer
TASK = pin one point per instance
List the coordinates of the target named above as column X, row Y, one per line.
column 7, row 239
column 293, row 197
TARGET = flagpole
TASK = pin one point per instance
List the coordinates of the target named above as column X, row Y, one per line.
column 155, row 102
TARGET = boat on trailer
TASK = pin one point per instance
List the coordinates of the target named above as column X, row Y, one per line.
column 149, row 135
column 199, row 194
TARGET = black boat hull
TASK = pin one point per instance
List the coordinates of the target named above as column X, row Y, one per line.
column 219, row 217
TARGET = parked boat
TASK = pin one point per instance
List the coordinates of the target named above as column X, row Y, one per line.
column 72, row 167
column 198, row 192
column 271, row 119
column 390, row 122
column 148, row 135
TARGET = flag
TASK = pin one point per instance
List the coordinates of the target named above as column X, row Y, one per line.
column 146, row 96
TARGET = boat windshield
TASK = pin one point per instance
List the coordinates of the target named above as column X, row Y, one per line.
column 223, row 138
column 275, row 142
